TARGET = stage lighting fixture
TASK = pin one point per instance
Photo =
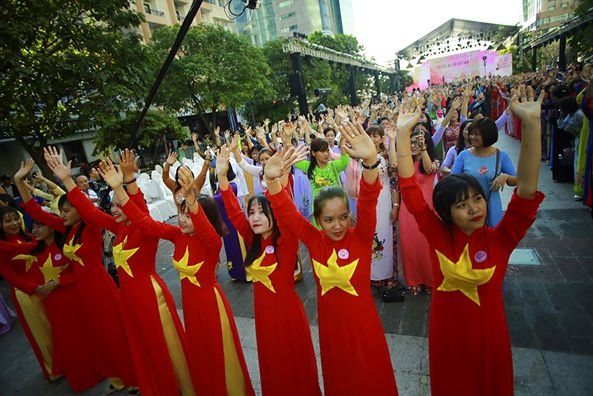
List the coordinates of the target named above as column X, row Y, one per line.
column 252, row 4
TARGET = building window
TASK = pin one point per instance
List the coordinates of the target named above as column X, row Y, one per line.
column 564, row 4
column 288, row 29
column 287, row 16
column 75, row 152
column 550, row 8
column 285, row 3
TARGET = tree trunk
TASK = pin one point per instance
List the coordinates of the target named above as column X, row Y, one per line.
column 213, row 126
column 36, row 153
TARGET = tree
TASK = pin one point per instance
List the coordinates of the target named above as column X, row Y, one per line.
column 582, row 42
column 156, row 125
column 67, row 66
column 214, row 69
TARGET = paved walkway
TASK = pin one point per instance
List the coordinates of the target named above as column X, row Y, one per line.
column 549, row 310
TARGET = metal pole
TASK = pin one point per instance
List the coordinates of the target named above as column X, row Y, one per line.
column 378, row 84
column 562, row 53
column 352, row 85
column 297, row 66
column 172, row 53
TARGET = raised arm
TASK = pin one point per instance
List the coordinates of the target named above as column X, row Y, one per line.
column 114, row 177
column 236, row 215
column 55, row 163
column 201, row 178
column 19, row 179
column 529, row 112
column 170, row 183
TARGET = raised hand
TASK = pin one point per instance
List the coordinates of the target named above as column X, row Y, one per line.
column 341, row 112
column 127, row 163
column 26, row 168
column 234, row 143
column 457, row 103
column 528, row 109
column 186, row 180
column 408, row 118
column 37, row 176
column 222, row 162
column 172, row 158
column 391, row 131
column 361, row 144
column 111, row 174
column 266, row 122
column 54, row 161
column 194, row 137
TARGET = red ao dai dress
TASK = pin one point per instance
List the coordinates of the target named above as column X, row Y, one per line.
column 215, row 356
column 468, row 338
column 71, row 351
column 155, row 332
column 285, row 351
column 22, row 273
column 98, row 297
column 354, row 354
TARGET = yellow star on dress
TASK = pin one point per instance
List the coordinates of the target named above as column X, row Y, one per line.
column 29, row 260
column 49, row 271
column 335, row 276
column 121, row 256
column 461, row 276
column 186, row 271
column 262, row 274
column 70, row 251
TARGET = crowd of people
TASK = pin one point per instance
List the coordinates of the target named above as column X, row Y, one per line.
column 413, row 179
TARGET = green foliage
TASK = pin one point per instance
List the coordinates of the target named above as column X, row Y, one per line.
column 214, row 69
column 156, row 125
column 582, row 41
column 521, row 62
column 67, row 66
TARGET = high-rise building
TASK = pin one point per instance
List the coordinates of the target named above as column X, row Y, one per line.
column 280, row 18
column 171, row 12
column 547, row 14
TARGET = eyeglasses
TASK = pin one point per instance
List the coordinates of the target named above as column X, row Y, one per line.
column 416, row 143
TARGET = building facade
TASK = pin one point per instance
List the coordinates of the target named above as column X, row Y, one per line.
column 547, row 14
column 172, row 12
column 281, row 18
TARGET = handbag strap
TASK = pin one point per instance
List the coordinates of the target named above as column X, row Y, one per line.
column 495, row 172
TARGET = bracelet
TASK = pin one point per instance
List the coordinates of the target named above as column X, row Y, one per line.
column 372, row 166
column 122, row 199
column 404, row 155
column 270, row 181
column 423, row 150
column 396, row 204
column 131, row 181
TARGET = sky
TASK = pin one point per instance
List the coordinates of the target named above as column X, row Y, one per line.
column 384, row 27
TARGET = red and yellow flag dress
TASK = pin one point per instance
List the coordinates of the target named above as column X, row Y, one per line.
column 21, row 271
column 354, row 354
column 97, row 295
column 215, row 356
column 153, row 327
column 284, row 348
column 469, row 346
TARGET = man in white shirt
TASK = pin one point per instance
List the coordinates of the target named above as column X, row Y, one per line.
column 83, row 183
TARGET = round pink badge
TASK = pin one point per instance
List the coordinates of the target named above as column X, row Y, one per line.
column 343, row 254
column 480, row 256
column 269, row 249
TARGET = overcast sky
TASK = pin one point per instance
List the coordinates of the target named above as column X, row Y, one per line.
column 384, row 27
